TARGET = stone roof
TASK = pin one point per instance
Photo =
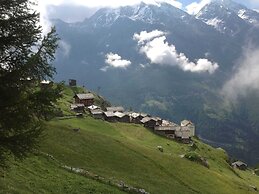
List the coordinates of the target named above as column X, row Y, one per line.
column 93, row 107
column 145, row 119
column 72, row 106
column 119, row 114
column 186, row 123
column 109, row 114
column 239, row 163
column 96, row 112
column 87, row 96
column 115, row 109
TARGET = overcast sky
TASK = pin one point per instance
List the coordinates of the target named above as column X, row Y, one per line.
column 78, row 10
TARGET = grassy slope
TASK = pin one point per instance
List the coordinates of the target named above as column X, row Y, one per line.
column 123, row 152
column 39, row 174
column 129, row 153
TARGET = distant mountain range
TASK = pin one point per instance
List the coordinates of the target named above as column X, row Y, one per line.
column 161, row 60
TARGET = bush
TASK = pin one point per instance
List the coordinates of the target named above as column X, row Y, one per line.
column 195, row 157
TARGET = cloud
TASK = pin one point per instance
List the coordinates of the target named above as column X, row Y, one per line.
column 110, row 3
column 115, row 61
column 158, row 51
column 147, row 36
column 64, row 48
column 195, row 7
column 246, row 77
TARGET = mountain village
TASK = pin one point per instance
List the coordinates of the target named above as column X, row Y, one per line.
column 84, row 102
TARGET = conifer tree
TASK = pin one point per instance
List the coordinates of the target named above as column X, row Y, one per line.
column 25, row 60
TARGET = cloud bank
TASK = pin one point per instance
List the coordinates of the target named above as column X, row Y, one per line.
column 245, row 78
column 110, row 3
column 115, row 61
column 158, row 51
column 195, row 7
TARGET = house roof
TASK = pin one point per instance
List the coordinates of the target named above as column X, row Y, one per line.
column 109, row 114
column 239, row 163
column 145, row 119
column 72, row 106
column 93, row 107
column 134, row 115
column 186, row 123
column 115, row 109
column 46, row 82
column 87, row 96
column 96, row 112
column 119, row 114
column 144, row 115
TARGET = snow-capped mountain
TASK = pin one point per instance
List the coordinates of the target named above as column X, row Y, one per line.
column 229, row 17
column 142, row 12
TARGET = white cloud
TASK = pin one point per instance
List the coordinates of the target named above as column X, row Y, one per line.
column 110, row 3
column 158, row 51
column 195, row 7
column 65, row 48
column 245, row 78
column 115, row 61
column 147, row 36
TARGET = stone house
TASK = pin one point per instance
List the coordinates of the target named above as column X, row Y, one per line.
column 188, row 125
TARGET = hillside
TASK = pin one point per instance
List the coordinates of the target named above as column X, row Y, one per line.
column 221, row 33
column 123, row 154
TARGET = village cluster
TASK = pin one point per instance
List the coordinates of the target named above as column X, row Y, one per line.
column 183, row 132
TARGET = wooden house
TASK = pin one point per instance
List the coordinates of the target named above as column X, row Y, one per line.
column 110, row 116
column 115, row 109
column 72, row 82
column 240, row 165
column 188, row 125
column 121, row 117
column 86, row 99
column 136, row 118
column 167, row 129
column 78, row 108
column 97, row 114
column 149, row 122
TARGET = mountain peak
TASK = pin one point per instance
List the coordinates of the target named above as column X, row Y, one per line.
column 226, row 9
column 149, row 13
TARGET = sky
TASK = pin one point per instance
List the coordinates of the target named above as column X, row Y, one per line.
column 78, row 10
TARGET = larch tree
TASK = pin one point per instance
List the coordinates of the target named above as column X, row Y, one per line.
column 25, row 61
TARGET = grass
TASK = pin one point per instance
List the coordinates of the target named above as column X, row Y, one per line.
column 121, row 152
column 129, row 153
column 38, row 174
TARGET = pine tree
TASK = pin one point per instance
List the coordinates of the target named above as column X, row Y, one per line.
column 25, row 60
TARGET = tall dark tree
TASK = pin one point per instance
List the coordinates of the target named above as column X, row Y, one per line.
column 25, row 60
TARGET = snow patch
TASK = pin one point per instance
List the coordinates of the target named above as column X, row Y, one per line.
column 214, row 22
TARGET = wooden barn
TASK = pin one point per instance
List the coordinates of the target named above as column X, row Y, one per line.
column 86, row 99
column 136, row 118
column 97, row 114
column 167, row 129
column 121, row 117
column 240, row 165
column 149, row 122
column 78, row 108
column 110, row 116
